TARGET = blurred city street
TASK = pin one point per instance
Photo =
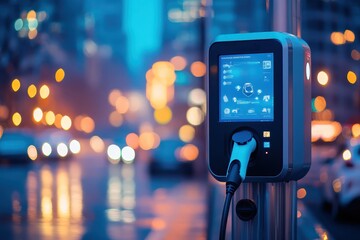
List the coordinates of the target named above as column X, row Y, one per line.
column 86, row 197
column 104, row 106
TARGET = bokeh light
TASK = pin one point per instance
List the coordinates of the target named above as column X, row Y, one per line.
column 146, row 140
column 355, row 54
column 1, row 131
column 163, row 115
column 57, row 122
column 50, row 118
column 197, row 96
column 59, row 75
column 164, row 72
column 113, row 153
column 32, row 91
column 32, row 152
column 38, row 114
column 349, row 35
column 31, row 14
column 113, row 96
column 198, row 69
column 128, row 154
column 66, row 122
column 351, row 77
column 187, row 133
column 319, row 104
column 62, row 150
column 32, row 34
column 15, row 85
column 337, row 38
column 74, row 146
column 132, row 140
column 4, row 112
column 46, row 149
column 116, row 119
column 355, row 130
column 301, row 193
column 346, row 155
column 16, row 119
column 195, row 116
column 97, row 144
column 189, row 152
column 87, row 124
column 322, row 78
column 18, row 25
column 44, row 91
column 122, row 104
column 179, row 62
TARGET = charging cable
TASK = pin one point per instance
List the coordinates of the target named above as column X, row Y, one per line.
column 244, row 145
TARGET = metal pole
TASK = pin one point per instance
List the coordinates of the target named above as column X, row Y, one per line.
column 276, row 202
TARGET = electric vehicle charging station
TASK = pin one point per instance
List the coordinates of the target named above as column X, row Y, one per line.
column 259, row 114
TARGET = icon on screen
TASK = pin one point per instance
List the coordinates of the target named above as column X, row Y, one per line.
column 234, row 110
column 251, row 110
column 248, row 89
column 226, row 65
column 266, row 64
column 264, row 110
column 238, row 88
column 234, row 99
column 226, row 83
column 225, row 98
column 266, row 98
column 227, row 110
column 259, row 91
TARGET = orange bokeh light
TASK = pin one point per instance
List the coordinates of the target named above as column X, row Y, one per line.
column 198, row 69
column 132, row 140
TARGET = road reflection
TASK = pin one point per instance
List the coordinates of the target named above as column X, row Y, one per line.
column 89, row 198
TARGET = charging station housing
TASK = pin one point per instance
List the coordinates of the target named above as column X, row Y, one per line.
column 260, row 82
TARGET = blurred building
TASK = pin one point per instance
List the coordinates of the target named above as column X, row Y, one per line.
column 330, row 28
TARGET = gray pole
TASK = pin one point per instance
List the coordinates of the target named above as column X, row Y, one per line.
column 276, row 202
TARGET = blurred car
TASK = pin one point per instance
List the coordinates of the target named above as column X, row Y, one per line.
column 14, row 145
column 166, row 159
column 54, row 143
column 340, row 178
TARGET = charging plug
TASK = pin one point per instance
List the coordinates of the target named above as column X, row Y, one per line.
column 244, row 146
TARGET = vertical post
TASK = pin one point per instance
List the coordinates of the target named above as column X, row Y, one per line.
column 276, row 202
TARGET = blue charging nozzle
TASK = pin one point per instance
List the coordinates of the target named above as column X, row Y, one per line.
column 244, row 145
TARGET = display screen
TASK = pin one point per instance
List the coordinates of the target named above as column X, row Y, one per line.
column 246, row 87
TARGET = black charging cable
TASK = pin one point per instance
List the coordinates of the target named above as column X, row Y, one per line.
column 233, row 181
column 244, row 145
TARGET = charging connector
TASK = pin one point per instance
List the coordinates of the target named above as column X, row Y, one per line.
column 244, row 145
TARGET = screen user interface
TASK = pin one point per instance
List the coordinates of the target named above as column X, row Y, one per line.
column 246, row 87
